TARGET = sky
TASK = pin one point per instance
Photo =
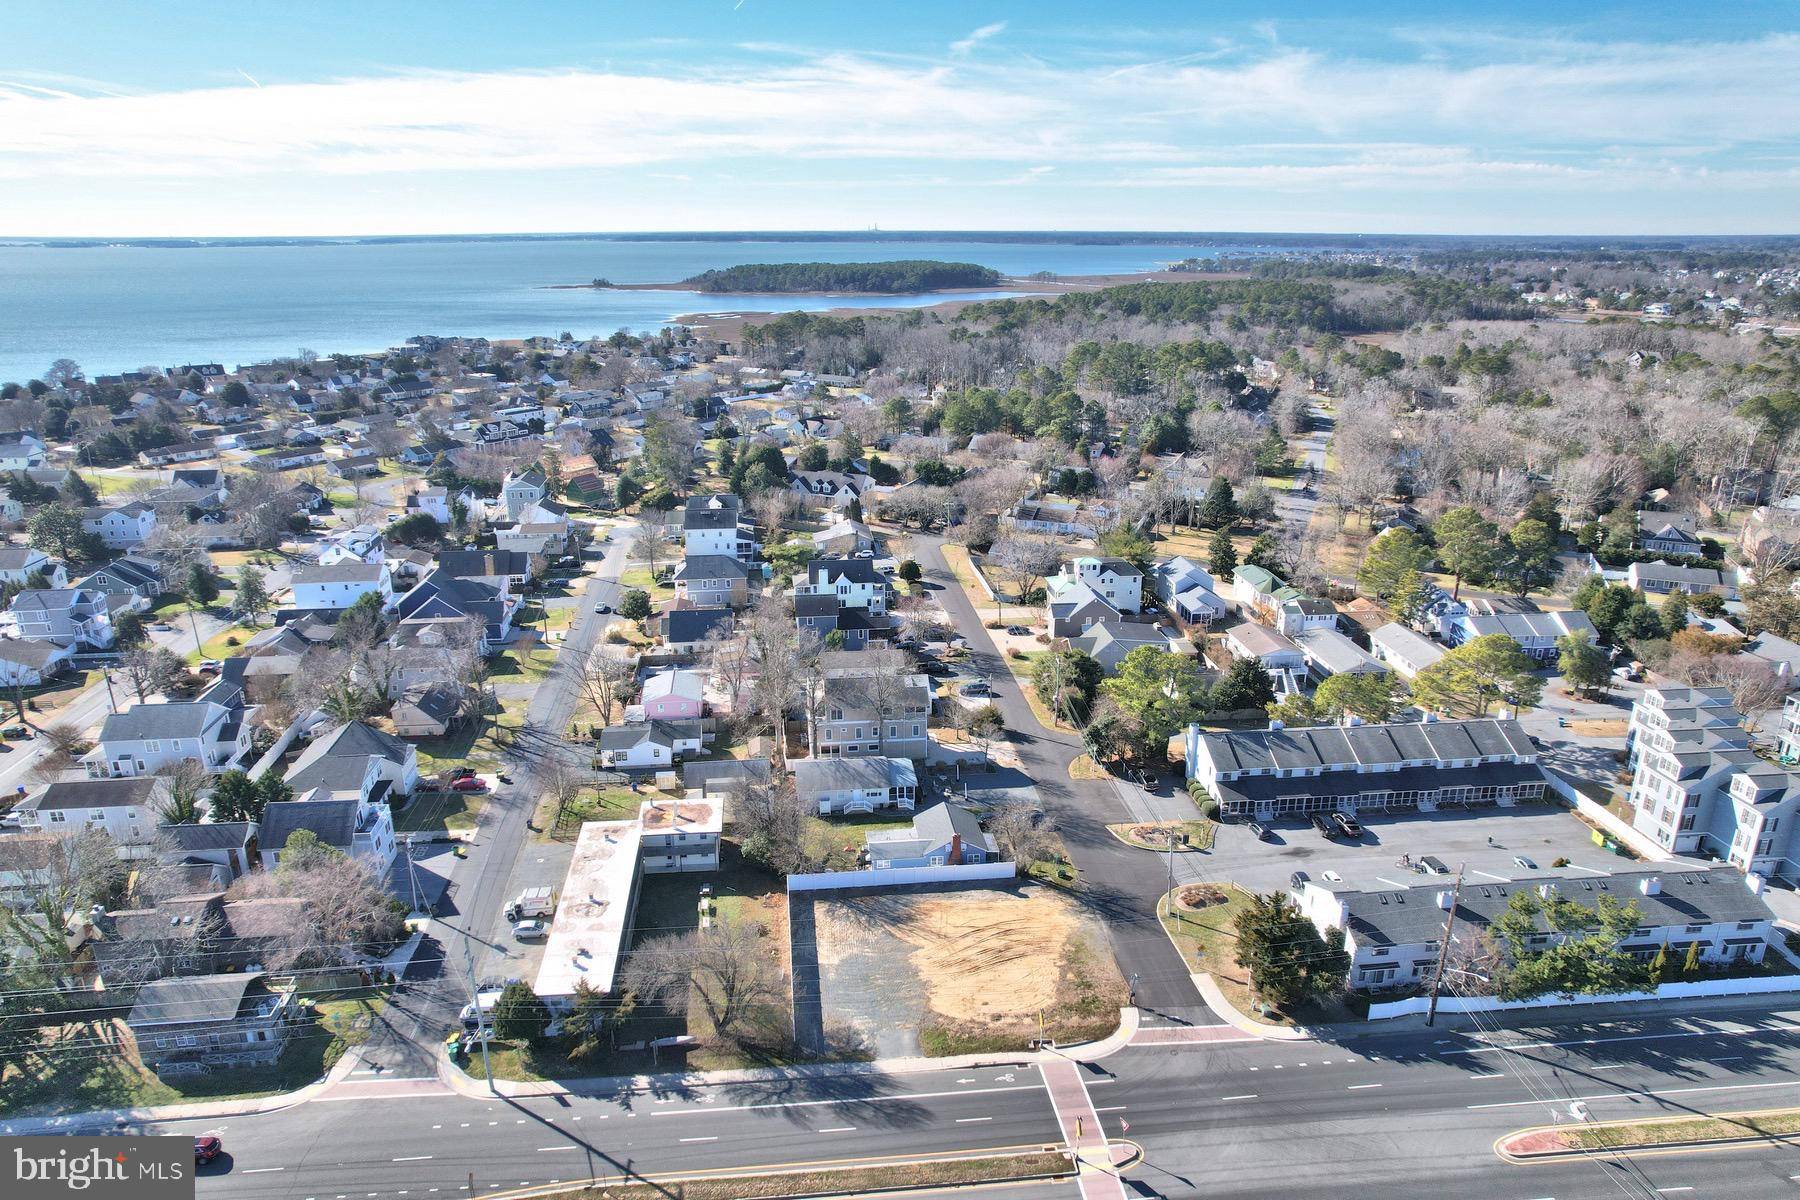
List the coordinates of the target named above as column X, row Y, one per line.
column 314, row 117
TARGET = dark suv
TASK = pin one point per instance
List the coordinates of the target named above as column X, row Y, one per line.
column 1323, row 826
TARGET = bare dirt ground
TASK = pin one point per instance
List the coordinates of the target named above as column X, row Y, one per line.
column 934, row 970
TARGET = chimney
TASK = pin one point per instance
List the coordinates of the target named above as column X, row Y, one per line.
column 1430, row 718
column 955, row 849
column 1650, row 885
column 1352, row 719
column 1445, row 898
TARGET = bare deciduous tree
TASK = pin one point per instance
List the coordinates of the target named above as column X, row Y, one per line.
column 726, row 967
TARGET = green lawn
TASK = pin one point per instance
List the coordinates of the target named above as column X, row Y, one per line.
column 222, row 644
column 602, row 804
column 112, row 1077
column 473, row 743
column 836, row 842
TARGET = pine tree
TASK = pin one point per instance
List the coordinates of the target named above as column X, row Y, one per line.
column 1659, row 966
column 1219, row 507
column 1223, row 555
column 1691, row 964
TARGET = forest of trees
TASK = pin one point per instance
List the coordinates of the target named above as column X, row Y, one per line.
column 889, row 278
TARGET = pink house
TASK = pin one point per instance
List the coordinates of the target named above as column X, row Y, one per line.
column 674, row 696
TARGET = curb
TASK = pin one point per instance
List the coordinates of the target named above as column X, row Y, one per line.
column 1526, row 1158
column 1215, row 1000
column 468, row 1085
column 1123, row 840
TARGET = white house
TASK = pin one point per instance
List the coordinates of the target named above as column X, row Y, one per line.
column 19, row 563
column 20, row 452
column 28, row 663
column 1405, row 652
column 356, row 759
column 341, row 584
column 120, row 527
column 715, row 525
column 855, row 785
column 362, row 543
column 1112, row 579
column 126, row 810
column 360, row 828
column 854, row 581
column 147, row 737
column 646, row 745
column 680, row 835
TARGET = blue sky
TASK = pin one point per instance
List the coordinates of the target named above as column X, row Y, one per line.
column 188, row 119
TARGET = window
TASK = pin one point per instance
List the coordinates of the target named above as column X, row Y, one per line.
column 153, row 747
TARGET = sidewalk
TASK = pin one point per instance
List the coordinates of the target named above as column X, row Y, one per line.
column 1080, row 1125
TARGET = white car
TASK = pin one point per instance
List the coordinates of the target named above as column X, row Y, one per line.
column 1332, row 877
column 530, row 930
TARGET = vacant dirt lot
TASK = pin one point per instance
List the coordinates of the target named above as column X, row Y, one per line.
column 950, row 971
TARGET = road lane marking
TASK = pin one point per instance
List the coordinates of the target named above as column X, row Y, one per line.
column 840, row 1129
column 1667, row 1190
column 1114, row 1108
column 700, row 1139
column 1563, row 1100
column 1500, row 1047
column 1245, row 1096
column 971, row 1120
column 1357, row 1087
column 414, row 1158
column 1491, row 875
column 1494, row 1076
column 263, row 1170
column 695, row 1112
column 544, row 1149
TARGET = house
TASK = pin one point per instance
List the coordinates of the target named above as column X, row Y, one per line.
column 1299, row 615
column 439, row 596
column 147, row 737
column 228, row 845
column 1074, row 608
column 680, row 835
column 507, row 569
column 855, row 785
column 714, row 525
column 340, row 585
column 19, row 563
column 942, row 835
column 1109, row 641
column 826, row 615
column 647, row 745
column 843, row 538
column 673, row 696
column 831, row 489
column 522, row 489
column 73, row 618
column 126, row 810
column 1537, row 632
column 440, row 503
column 869, row 710
column 854, row 581
column 362, row 829
column 196, row 934
column 120, row 526
column 361, row 543
column 434, row 650
column 1699, row 787
column 27, row 663
column 1666, row 533
column 133, row 575
column 1403, row 651
column 356, row 760
column 722, row 776
column 1114, row 580
column 1275, row 651
column 426, row 710
column 1260, row 591
column 1425, row 766
column 1188, row 590
column 546, row 539
column 1394, row 936
column 1048, row 516
column 1775, row 652
column 20, row 451
column 688, row 630
column 191, row 1024
column 1660, row 578
column 1329, row 653
column 712, row 581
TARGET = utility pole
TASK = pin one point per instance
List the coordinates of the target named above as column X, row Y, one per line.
column 481, row 1024
column 1437, row 976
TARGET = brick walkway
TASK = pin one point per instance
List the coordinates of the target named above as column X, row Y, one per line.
column 1080, row 1126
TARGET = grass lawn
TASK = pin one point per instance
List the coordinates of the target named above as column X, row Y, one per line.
column 640, row 578
column 944, row 1173
column 837, row 841
column 1207, row 939
column 221, row 645
column 1089, row 994
column 473, row 744
column 113, row 1077
column 525, row 662
column 601, row 804
column 440, row 813
column 1611, row 1135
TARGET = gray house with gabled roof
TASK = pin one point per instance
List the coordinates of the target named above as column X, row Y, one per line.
column 943, row 835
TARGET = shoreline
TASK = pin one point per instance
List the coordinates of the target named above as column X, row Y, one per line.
column 729, row 326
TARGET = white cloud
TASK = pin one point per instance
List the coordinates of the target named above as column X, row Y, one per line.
column 965, row 46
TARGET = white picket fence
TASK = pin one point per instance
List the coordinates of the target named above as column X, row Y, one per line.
column 825, row 881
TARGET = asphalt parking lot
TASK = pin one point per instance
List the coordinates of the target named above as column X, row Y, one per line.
column 1541, row 833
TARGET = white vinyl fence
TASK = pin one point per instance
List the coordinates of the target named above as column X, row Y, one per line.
column 825, row 881
column 1760, row 985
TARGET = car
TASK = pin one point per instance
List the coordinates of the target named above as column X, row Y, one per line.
column 975, row 688
column 1323, row 826
column 468, row 783
column 207, row 1147
column 602, row 608
column 162, row 627
column 530, row 929
column 463, row 773
column 1298, row 880
column 1018, row 631
column 864, row 554
column 1434, row 864
column 1261, row 831
column 1346, row 824
column 214, row 663
column 1520, row 860
column 16, row 733
column 1331, row 877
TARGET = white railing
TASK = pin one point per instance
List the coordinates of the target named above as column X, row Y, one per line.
column 823, row 881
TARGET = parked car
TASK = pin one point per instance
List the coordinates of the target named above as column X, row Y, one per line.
column 602, row 608
column 1332, row 877
column 1434, row 864
column 530, row 930
column 16, row 733
column 162, row 627
column 1298, row 879
column 207, row 1147
column 468, row 783
column 463, row 773
column 1260, row 831
column 976, row 688
column 1323, row 826
column 1522, row 861
column 1346, row 824
column 1018, row 631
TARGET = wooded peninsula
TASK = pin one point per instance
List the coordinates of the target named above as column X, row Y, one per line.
column 897, row 277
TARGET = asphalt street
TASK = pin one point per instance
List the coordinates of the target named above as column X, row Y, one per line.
column 1120, row 883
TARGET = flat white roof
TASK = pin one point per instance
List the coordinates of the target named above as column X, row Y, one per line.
column 695, row 814
column 594, row 917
